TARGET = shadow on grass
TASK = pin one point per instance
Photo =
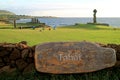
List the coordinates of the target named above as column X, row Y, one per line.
column 6, row 28
column 17, row 28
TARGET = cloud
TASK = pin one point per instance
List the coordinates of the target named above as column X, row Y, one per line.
column 63, row 13
column 73, row 8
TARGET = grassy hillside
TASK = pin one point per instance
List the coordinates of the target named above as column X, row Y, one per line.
column 7, row 15
column 4, row 12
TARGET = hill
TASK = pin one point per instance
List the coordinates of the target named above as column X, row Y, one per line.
column 7, row 15
column 5, row 12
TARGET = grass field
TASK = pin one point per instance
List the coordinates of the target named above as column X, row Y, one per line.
column 101, row 34
column 93, row 33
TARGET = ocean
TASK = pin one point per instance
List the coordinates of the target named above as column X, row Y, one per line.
column 114, row 22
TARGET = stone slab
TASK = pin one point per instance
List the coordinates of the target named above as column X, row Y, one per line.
column 73, row 57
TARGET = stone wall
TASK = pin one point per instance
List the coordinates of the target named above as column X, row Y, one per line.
column 20, row 57
column 17, row 56
column 117, row 49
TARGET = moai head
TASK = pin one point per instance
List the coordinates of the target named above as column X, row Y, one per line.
column 95, row 11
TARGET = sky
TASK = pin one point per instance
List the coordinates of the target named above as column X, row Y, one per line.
column 62, row 8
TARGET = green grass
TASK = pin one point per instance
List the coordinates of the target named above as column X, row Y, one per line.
column 3, row 25
column 81, row 32
column 93, row 33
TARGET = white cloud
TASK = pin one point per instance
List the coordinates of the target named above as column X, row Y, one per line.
column 105, row 9
column 63, row 13
column 64, row 8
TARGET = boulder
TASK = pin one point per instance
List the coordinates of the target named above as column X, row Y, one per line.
column 23, row 42
column 9, row 49
column 25, row 53
column 33, row 48
column 12, row 64
column 29, row 60
column 117, row 64
column 6, row 60
column 118, row 56
column 30, row 68
column 21, row 64
column 1, row 47
column 3, row 53
column 7, row 69
column 117, row 49
column 73, row 57
column 1, row 60
column 21, row 45
column 2, row 64
column 15, row 54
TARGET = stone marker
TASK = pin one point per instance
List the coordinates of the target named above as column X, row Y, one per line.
column 73, row 57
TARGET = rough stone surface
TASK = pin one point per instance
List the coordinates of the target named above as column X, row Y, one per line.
column 29, row 68
column 15, row 54
column 6, row 59
column 117, row 49
column 9, row 49
column 2, row 64
column 73, row 57
column 7, row 69
column 12, row 64
column 21, row 64
column 3, row 53
column 117, row 64
column 25, row 53
column 1, row 60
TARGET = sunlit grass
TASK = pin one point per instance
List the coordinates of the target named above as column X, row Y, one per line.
column 102, row 35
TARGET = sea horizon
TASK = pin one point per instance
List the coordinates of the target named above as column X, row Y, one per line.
column 64, row 21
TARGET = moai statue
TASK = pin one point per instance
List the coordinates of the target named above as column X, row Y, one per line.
column 14, row 22
column 94, row 16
